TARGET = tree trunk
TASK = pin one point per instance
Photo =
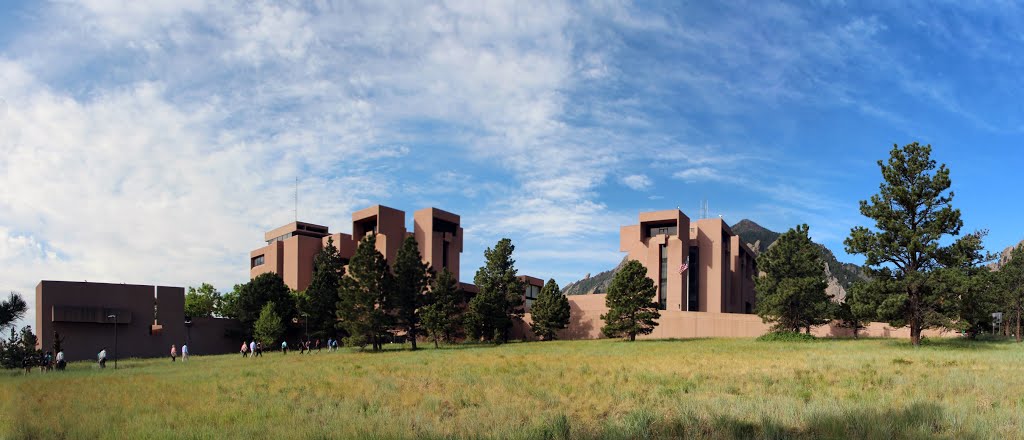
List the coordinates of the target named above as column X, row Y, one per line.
column 915, row 332
column 412, row 336
column 632, row 337
column 856, row 330
column 808, row 330
column 435, row 341
column 1018, row 323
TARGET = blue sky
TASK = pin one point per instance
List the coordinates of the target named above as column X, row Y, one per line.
column 155, row 142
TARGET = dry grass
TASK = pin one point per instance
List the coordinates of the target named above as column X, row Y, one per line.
column 723, row 388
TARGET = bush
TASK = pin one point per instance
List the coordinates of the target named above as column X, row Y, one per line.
column 786, row 337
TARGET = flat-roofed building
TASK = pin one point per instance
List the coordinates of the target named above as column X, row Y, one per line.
column 699, row 266
column 291, row 248
column 148, row 320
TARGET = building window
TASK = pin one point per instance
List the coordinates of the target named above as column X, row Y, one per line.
column 444, row 255
column 663, row 282
column 662, row 229
column 693, row 278
column 257, row 261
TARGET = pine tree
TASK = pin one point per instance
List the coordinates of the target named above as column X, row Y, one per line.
column 859, row 307
column 632, row 309
column 268, row 328
column 913, row 215
column 412, row 277
column 319, row 302
column 1011, row 285
column 441, row 318
column 12, row 310
column 791, row 293
column 491, row 312
column 550, row 312
column 364, row 296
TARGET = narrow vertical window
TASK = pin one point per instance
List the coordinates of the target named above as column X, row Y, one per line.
column 663, row 282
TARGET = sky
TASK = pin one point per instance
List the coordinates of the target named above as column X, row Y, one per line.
column 155, row 142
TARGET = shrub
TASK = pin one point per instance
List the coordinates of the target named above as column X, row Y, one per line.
column 786, row 337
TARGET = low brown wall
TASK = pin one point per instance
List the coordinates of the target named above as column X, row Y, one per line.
column 214, row 336
column 585, row 323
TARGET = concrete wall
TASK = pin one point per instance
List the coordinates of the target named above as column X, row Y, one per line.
column 585, row 323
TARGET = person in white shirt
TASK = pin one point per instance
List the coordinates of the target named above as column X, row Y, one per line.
column 184, row 352
column 252, row 348
column 102, row 357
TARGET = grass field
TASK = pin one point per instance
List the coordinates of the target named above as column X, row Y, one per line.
column 722, row 388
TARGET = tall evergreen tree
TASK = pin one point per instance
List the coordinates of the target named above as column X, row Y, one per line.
column 913, row 215
column 319, row 302
column 441, row 318
column 491, row 312
column 791, row 294
column 859, row 307
column 364, row 296
column 550, row 312
column 12, row 310
column 1011, row 285
column 268, row 328
column 252, row 296
column 632, row 309
column 412, row 277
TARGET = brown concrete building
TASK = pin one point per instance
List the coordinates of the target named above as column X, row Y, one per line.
column 697, row 266
column 149, row 319
column 291, row 248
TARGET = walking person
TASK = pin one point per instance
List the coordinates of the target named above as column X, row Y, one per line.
column 60, row 361
column 259, row 349
column 252, row 348
column 174, row 353
column 284, row 347
column 317, row 345
column 102, row 357
column 245, row 349
column 184, row 352
column 302, row 348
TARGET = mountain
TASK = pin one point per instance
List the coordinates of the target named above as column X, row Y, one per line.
column 1004, row 257
column 840, row 275
column 755, row 235
column 593, row 284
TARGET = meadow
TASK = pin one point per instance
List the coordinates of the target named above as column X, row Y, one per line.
column 702, row 388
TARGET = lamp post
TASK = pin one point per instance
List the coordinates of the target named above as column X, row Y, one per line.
column 115, row 338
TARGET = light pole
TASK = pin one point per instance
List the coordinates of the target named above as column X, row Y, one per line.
column 115, row 338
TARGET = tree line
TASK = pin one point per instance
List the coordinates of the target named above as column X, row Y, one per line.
column 368, row 301
column 922, row 271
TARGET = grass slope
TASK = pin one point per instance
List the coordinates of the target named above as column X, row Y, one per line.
column 721, row 388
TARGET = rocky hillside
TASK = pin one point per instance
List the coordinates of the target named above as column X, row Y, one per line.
column 1004, row 257
column 840, row 275
column 593, row 284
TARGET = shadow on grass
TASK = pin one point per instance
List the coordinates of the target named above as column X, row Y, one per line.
column 918, row 421
column 953, row 344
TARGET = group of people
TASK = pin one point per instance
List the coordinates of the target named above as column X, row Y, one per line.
column 184, row 352
column 254, row 348
column 306, row 346
column 45, row 361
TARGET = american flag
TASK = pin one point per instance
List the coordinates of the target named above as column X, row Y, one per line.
column 683, row 267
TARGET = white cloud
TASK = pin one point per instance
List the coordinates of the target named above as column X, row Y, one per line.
column 700, row 174
column 638, row 182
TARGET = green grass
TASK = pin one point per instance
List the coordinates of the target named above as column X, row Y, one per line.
column 702, row 388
